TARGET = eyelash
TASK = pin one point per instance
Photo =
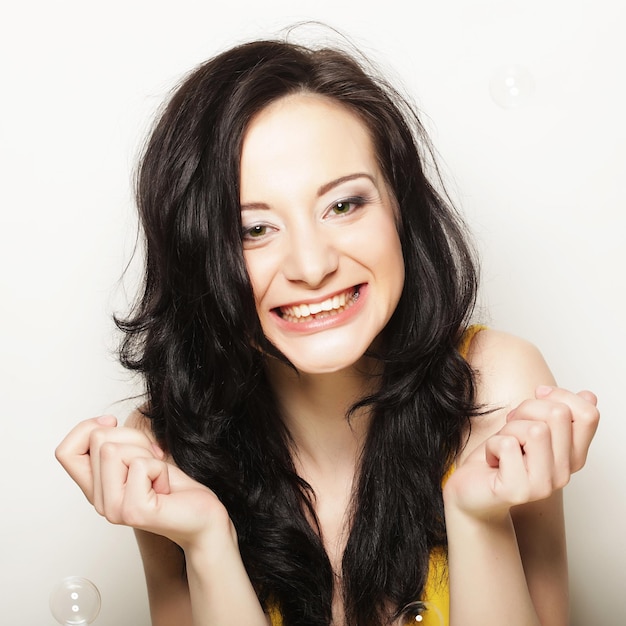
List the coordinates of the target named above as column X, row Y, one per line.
column 248, row 232
column 258, row 231
column 356, row 202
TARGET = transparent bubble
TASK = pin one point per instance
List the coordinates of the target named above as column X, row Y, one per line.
column 75, row 601
column 511, row 86
column 429, row 615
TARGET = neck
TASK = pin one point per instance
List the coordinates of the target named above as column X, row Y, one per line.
column 314, row 408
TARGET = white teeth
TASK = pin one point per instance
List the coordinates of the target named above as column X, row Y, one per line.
column 330, row 306
column 327, row 305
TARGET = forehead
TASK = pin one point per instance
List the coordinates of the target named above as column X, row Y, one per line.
column 304, row 139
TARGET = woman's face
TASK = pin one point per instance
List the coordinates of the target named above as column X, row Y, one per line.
column 319, row 232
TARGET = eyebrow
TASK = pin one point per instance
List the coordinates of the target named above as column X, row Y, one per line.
column 343, row 179
column 325, row 188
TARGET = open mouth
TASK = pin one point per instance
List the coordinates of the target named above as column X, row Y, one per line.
column 299, row 313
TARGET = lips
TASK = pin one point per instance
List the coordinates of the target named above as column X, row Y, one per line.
column 300, row 313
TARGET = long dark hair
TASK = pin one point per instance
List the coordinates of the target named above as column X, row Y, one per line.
column 192, row 329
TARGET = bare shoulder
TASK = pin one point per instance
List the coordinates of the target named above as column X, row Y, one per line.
column 508, row 370
column 139, row 421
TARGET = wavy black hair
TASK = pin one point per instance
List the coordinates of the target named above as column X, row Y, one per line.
column 191, row 332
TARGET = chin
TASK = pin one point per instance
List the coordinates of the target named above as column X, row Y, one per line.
column 324, row 363
column 329, row 351
column 313, row 369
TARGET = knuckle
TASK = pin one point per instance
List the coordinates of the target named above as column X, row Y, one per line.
column 563, row 481
column 508, row 443
column 112, row 510
column 117, row 518
column 108, row 450
column 134, row 436
column 589, row 396
column 562, row 475
column 99, row 506
column 138, row 464
column 591, row 415
column 560, row 412
column 59, row 454
column 578, row 461
column 113, row 517
column 98, row 437
column 130, row 515
column 538, row 431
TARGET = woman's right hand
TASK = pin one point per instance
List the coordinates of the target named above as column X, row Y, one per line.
column 126, row 477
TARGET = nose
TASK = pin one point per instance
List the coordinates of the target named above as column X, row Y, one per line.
column 311, row 256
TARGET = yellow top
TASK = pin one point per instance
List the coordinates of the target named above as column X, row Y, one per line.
column 436, row 591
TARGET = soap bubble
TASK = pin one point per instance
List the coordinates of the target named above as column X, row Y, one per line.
column 75, row 601
column 511, row 86
column 424, row 614
column 429, row 615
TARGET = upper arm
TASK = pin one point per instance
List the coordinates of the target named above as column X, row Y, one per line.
column 508, row 369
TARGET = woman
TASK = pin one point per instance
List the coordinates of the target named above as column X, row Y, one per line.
column 325, row 439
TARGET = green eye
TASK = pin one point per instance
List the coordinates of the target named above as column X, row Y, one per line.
column 341, row 208
column 255, row 231
column 347, row 206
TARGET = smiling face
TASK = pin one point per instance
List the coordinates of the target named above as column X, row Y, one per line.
column 319, row 232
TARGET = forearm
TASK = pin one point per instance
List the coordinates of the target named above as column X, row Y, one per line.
column 220, row 590
column 487, row 581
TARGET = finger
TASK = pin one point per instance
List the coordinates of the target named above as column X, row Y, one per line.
column 558, row 418
column 511, row 480
column 147, row 482
column 73, row 453
column 177, row 512
column 585, row 418
column 535, row 439
column 589, row 396
column 100, row 437
column 585, row 427
column 178, row 480
column 109, row 490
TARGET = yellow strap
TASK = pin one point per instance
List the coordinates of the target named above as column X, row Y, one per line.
column 467, row 338
column 276, row 619
column 436, row 590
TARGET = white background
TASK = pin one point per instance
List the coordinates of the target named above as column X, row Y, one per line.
column 542, row 187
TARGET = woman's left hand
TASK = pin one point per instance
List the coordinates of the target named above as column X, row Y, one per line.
column 543, row 442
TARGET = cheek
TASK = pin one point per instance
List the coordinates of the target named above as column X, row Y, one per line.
column 258, row 273
column 386, row 251
column 390, row 265
column 396, row 272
